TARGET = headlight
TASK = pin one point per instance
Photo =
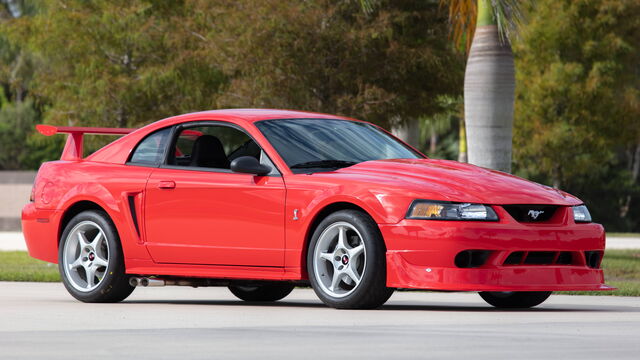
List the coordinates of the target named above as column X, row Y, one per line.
column 581, row 214
column 440, row 210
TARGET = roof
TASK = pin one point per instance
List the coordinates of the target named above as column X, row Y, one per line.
column 253, row 115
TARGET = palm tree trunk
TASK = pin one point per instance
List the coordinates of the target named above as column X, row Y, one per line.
column 489, row 87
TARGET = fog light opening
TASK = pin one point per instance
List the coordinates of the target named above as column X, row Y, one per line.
column 471, row 258
column 592, row 259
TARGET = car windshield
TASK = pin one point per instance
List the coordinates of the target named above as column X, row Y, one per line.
column 311, row 145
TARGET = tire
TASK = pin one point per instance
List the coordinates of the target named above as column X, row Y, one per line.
column 262, row 293
column 90, row 245
column 516, row 299
column 346, row 261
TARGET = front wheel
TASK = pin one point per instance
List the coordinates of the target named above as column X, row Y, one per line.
column 515, row 299
column 262, row 293
column 346, row 261
column 90, row 259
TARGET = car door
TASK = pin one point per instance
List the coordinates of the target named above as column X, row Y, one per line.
column 197, row 211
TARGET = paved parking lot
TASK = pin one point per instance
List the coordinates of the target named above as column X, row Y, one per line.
column 41, row 321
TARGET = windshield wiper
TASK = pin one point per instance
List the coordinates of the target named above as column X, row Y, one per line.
column 323, row 164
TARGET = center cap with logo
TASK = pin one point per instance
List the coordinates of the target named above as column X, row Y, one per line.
column 92, row 256
column 345, row 259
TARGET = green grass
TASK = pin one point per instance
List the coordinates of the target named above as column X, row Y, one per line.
column 19, row 266
column 621, row 269
column 631, row 235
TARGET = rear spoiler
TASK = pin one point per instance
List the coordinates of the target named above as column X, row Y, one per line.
column 73, row 149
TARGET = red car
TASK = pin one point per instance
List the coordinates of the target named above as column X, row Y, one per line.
column 264, row 200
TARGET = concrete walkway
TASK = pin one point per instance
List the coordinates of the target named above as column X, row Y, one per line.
column 11, row 241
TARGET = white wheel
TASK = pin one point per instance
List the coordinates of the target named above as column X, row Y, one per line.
column 339, row 259
column 86, row 256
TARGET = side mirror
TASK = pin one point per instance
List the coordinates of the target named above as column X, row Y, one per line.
column 249, row 165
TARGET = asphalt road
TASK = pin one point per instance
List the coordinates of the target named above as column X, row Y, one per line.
column 41, row 321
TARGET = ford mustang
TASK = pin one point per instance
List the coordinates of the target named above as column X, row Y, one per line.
column 263, row 200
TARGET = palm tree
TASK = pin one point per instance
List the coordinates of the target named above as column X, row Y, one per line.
column 489, row 82
column 489, row 85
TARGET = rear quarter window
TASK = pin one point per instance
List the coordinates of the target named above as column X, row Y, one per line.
column 150, row 150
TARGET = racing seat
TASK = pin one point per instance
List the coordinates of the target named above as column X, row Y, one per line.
column 208, row 152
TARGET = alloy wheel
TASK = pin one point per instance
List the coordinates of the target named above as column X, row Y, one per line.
column 339, row 259
column 86, row 256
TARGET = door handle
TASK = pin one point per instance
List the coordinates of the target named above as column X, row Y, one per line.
column 167, row 184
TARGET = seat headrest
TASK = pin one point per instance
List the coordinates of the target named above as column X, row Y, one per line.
column 209, row 152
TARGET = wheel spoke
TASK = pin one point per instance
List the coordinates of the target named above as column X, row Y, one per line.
column 356, row 251
column 342, row 237
column 327, row 257
column 76, row 264
column 91, row 274
column 337, row 276
column 100, row 262
column 82, row 240
column 96, row 240
column 350, row 272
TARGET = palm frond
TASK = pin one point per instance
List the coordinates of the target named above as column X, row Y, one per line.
column 368, row 5
column 462, row 17
column 509, row 16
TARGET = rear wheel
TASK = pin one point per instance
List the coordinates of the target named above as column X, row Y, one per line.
column 268, row 292
column 346, row 261
column 90, row 259
column 515, row 299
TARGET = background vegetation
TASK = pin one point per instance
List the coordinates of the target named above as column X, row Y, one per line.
column 129, row 63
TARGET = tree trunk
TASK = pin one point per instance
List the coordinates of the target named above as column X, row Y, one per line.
column 433, row 141
column 489, row 87
column 409, row 132
column 462, row 145
column 634, row 167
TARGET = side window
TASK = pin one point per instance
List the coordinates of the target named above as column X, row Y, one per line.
column 151, row 149
column 212, row 146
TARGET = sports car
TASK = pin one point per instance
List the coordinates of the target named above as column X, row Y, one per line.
column 265, row 200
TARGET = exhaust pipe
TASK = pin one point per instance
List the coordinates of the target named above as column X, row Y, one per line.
column 145, row 282
column 152, row 282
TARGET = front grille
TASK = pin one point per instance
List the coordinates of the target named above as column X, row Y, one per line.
column 541, row 258
column 531, row 213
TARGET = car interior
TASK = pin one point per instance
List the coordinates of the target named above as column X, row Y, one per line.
column 206, row 146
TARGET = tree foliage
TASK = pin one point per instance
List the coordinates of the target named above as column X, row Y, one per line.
column 386, row 66
column 117, row 63
column 126, row 63
column 577, row 105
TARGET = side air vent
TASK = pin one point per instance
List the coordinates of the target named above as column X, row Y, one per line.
column 134, row 214
column 531, row 213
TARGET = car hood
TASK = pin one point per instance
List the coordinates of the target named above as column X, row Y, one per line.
column 453, row 181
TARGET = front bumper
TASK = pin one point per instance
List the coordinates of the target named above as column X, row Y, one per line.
column 421, row 255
